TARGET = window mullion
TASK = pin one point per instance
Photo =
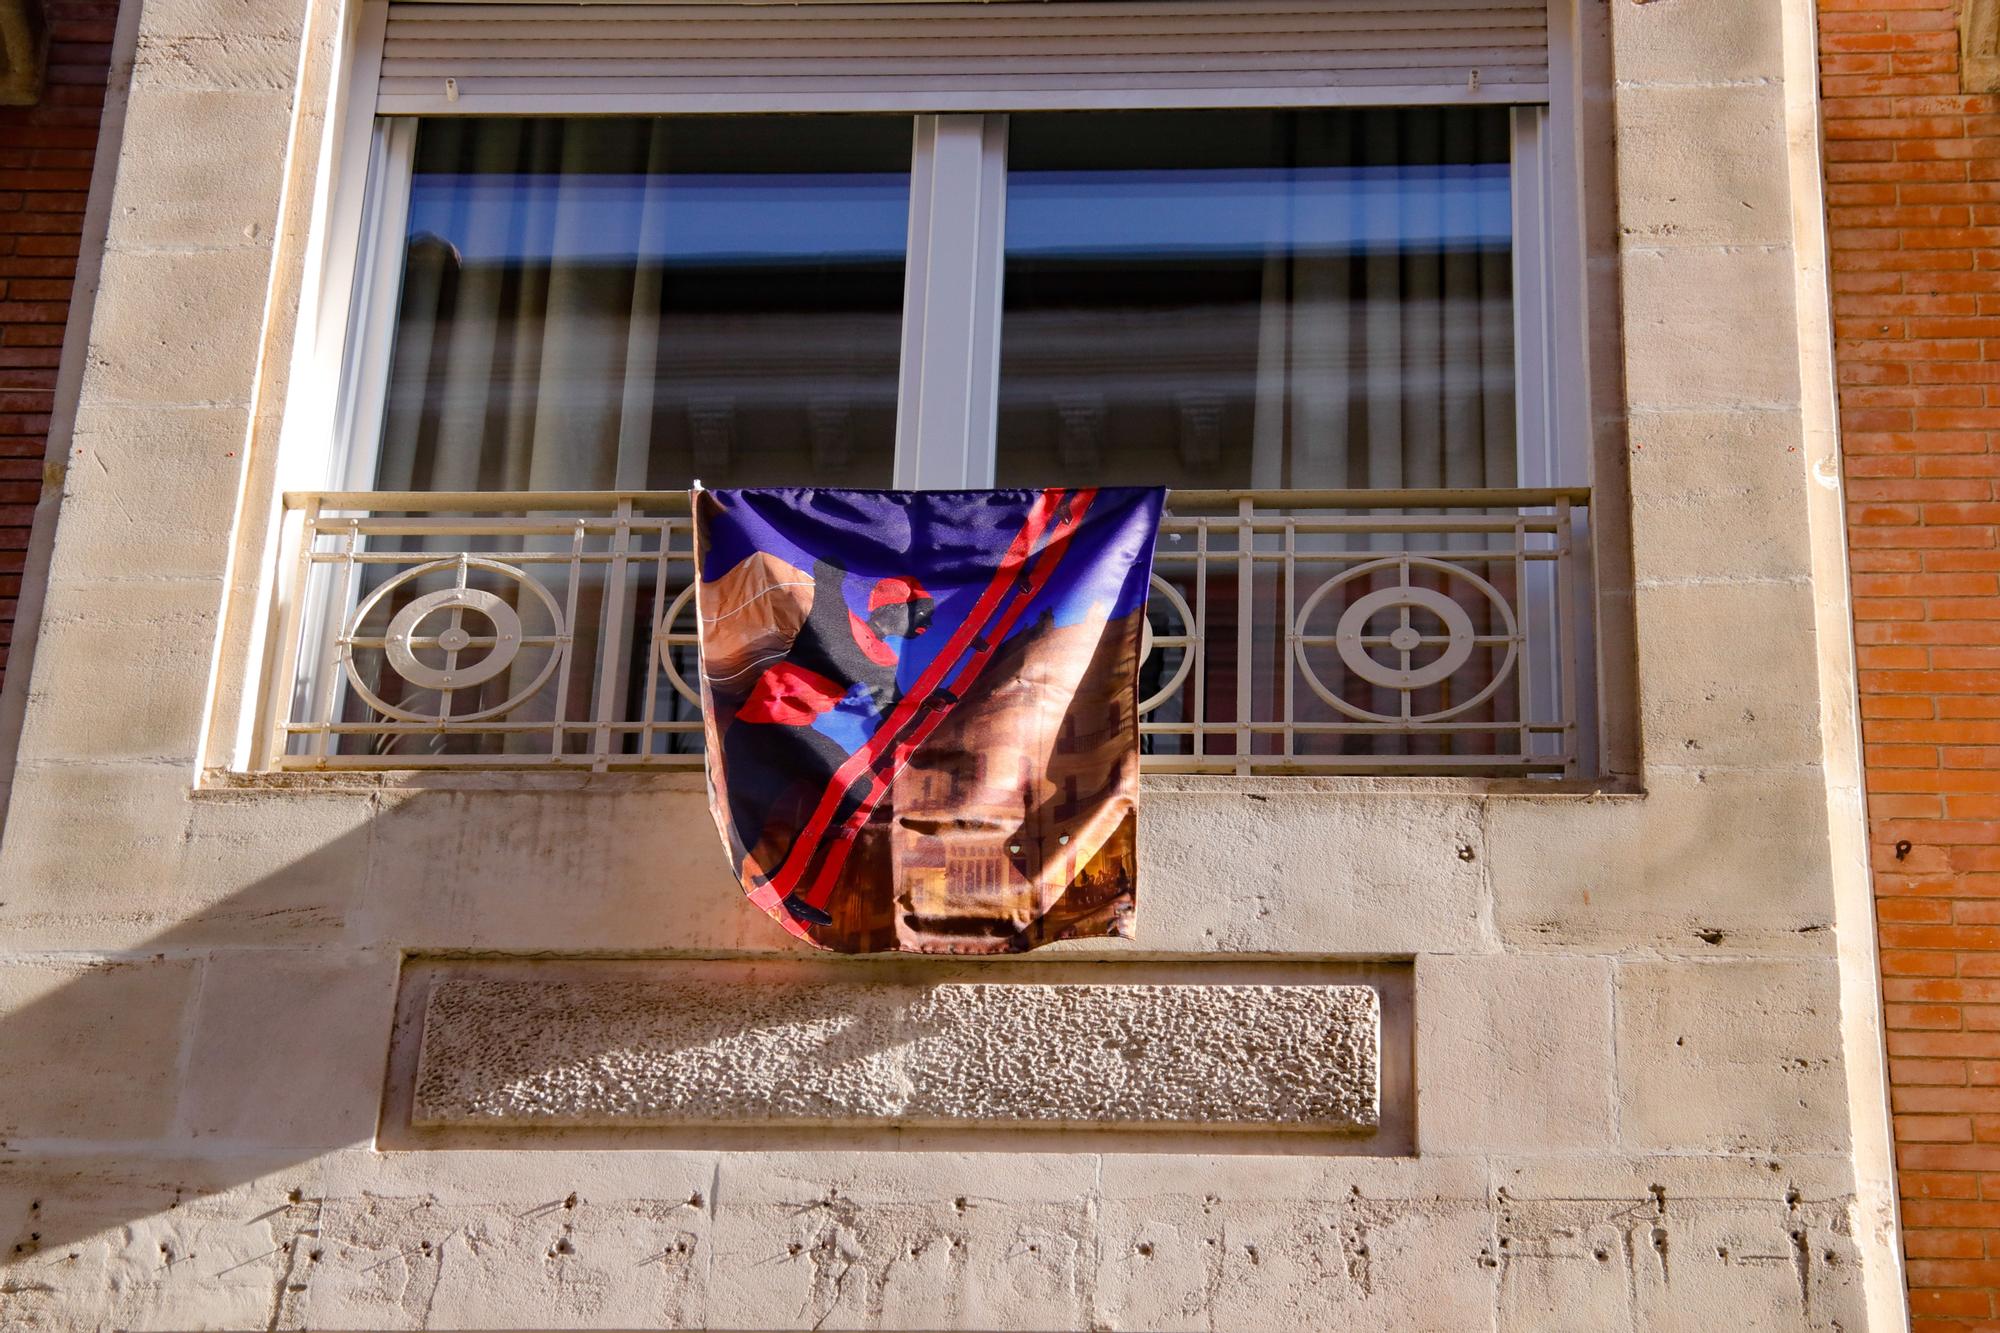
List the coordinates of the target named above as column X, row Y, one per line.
column 948, row 394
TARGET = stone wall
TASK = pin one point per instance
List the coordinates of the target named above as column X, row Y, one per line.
column 1641, row 1087
column 1913, row 170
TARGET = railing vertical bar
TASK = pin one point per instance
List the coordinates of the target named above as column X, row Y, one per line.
column 1287, row 666
column 656, row 643
column 335, row 655
column 566, row 644
column 291, row 633
column 1200, row 712
column 1567, row 638
column 451, row 654
column 1406, row 706
column 1246, row 590
column 1523, row 658
column 611, row 648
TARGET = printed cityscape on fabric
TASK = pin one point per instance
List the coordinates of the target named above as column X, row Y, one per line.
column 921, row 709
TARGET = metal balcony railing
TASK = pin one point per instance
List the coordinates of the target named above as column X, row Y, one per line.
column 1289, row 632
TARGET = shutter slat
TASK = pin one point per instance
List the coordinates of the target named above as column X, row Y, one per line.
column 1013, row 54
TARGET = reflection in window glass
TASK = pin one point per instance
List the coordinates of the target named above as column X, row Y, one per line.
column 1274, row 299
column 630, row 304
column 1315, row 298
column 638, row 302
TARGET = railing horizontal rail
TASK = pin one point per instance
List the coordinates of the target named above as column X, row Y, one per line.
column 1413, row 630
column 514, row 502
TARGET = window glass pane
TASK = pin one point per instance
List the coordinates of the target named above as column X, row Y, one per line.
column 1278, row 300
column 1315, row 298
column 638, row 302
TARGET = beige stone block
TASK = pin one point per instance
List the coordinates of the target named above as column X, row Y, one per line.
column 141, row 1242
column 1289, row 1244
column 1721, row 860
column 91, row 854
column 200, row 168
column 289, row 1047
column 593, row 867
column 177, row 327
column 356, row 1239
column 1277, row 872
column 129, row 857
column 1710, row 327
column 1514, row 1053
column 216, row 61
column 271, row 868
column 919, row 1241
column 1646, row 1243
column 121, row 670
column 1730, row 1056
column 1697, row 41
column 1703, row 166
column 491, row 1240
column 1718, row 495
column 218, row 18
column 92, row 1050
column 717, row 1043
column 1728, row 674
column 1636, row 1179
column 1310, row 872
column 149, row 493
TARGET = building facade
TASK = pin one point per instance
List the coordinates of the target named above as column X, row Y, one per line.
column 1506, row 954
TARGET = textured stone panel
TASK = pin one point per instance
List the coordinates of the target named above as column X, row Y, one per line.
column 499, row 1051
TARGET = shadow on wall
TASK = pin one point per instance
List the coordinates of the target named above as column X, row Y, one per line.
column 186, row 1124
column 148, row 1071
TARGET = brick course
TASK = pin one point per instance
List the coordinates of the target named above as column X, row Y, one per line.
column 1913, row 193
column 46, row 151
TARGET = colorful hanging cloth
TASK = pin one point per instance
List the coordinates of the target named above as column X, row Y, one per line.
column 921, row 709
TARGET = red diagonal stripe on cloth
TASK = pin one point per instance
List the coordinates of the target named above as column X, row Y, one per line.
column 805, row 847
column 899, row 755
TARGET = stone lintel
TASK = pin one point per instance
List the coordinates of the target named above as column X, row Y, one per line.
column 687, row 1050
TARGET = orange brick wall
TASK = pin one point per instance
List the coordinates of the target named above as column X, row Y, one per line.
column 1913, row 174
column 45, row 160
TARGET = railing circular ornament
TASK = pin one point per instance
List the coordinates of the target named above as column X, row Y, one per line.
column 1184, row 641
column 1353, row 643
column 402, row 638
column 667, row 644
column 1403, row 639
column 506, row 639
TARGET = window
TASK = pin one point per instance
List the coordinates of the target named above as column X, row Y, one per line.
column 1268, row 304
column 1267, row 298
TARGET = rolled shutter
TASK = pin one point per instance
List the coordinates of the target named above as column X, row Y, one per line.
column 996, row 56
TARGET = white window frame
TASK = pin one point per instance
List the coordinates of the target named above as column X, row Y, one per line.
column 947, row 409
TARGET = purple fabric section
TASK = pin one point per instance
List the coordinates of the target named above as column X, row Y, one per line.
column 950, row 541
